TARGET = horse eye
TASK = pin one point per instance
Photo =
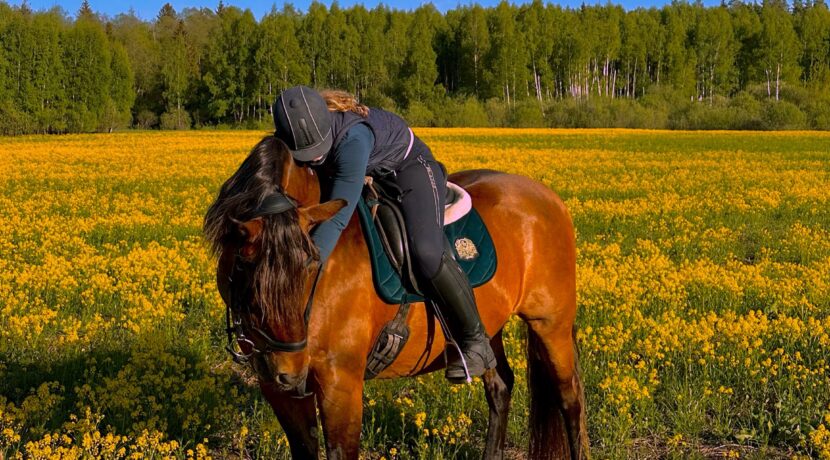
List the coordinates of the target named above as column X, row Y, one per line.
column 248, row 252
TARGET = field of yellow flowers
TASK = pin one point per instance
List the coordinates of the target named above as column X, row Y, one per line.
column 703, row 277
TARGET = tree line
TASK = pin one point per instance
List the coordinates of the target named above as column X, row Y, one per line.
column 737, row 65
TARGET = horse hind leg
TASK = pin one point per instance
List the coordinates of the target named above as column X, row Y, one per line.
column 498, row 388
column 558, row 425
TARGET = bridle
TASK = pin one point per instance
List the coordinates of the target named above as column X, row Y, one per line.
column 276, row 203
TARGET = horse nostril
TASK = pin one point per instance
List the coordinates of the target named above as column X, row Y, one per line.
column 284, row 379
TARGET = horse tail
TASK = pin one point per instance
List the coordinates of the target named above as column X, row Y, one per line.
column 582, row 441
column 557, row 430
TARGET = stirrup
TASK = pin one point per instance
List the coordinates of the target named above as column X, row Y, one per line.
column 467, row 377
column 481, row 358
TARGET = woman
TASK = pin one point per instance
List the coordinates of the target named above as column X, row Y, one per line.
column 344, row 141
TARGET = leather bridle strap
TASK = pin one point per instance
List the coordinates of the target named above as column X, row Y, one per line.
column 276, row 203
column 272, row 345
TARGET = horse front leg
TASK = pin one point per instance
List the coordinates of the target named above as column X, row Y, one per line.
column 498, row 386
column 340, row 396
column 298, row 418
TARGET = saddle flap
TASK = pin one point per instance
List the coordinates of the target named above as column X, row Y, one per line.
column 391, row 234
column 388, row 222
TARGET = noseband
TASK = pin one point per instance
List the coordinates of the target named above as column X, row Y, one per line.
column 273, row 204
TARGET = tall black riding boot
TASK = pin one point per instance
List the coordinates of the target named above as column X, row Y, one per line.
column 451, row 290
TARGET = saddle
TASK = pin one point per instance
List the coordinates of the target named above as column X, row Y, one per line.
column 392, row 272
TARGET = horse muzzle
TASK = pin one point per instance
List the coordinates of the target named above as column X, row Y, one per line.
column 281, row 378
column 293, row 385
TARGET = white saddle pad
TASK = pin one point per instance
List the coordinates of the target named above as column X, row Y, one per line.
column 458, row 204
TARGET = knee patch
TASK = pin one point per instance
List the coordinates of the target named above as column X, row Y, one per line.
column 427, row 259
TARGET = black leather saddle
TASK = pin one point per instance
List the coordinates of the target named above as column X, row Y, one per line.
column 385, row 233
column 392, row 272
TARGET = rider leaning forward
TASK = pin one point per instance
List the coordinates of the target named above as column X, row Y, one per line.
column 344, row 141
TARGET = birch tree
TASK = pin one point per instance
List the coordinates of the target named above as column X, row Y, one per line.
column 715, row 47
column 778, row 48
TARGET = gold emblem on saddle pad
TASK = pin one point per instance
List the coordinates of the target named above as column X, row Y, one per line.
column 466, row 249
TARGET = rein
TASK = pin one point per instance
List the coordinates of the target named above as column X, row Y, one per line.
column 275, row 203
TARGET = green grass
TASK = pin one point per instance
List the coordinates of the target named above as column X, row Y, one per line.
column 703, row 291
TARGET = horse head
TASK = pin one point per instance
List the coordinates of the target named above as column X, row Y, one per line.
column 259, row 227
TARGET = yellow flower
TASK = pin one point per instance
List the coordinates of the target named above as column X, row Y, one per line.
column 420, row 417
column 696, row 256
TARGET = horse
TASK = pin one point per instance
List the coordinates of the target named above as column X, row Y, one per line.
column 308, row 343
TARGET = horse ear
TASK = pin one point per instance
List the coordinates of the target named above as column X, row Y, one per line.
column 313, row 215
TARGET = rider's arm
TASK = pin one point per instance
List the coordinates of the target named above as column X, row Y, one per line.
column 350, row 160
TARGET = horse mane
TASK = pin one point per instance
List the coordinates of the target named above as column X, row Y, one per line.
column 277, row 281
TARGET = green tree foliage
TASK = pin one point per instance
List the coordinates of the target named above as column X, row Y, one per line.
column 396, row 47
column 473, row 41
column 33, row 70
column 121, row 95
column 370, row 73
column 505, row 59
column 535, row 38
column 715, row 47
column 144, row 55
column 200, row 25
column 172, row 39
column 779, row 52
column 312, row 39
column 743, row 65
column 229, row 68
column 813, row 27
column 44, row 97
column 279, row 58
column 746, row 24
column 341, row 46
column 418, row 72
column 678, row 65
column 87, row 80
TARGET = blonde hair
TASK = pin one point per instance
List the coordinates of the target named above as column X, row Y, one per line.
column 342, row 101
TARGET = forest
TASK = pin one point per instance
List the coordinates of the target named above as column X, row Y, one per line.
column 738, row 65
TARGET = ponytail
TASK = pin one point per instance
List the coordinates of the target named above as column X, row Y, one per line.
column 341, row 101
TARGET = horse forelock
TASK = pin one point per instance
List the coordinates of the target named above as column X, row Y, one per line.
column 280, row 270
column 275, row 278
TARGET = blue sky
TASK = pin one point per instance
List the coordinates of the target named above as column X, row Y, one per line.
column 147, row 9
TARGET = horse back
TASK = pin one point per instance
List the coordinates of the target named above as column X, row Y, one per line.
column 533, row 236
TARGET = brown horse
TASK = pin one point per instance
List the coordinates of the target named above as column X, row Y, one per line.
column 266, row 260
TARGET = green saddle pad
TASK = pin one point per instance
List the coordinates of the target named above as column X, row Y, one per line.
column 468, row 234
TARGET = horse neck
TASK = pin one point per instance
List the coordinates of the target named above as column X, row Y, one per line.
column 300, row 182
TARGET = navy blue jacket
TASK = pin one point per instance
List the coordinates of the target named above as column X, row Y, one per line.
column 341, row 176
column 377, row 144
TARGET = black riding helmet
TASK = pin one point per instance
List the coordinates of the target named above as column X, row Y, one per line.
column 302, row 121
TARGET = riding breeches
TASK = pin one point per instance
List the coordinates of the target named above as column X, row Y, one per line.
column 423, row 182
